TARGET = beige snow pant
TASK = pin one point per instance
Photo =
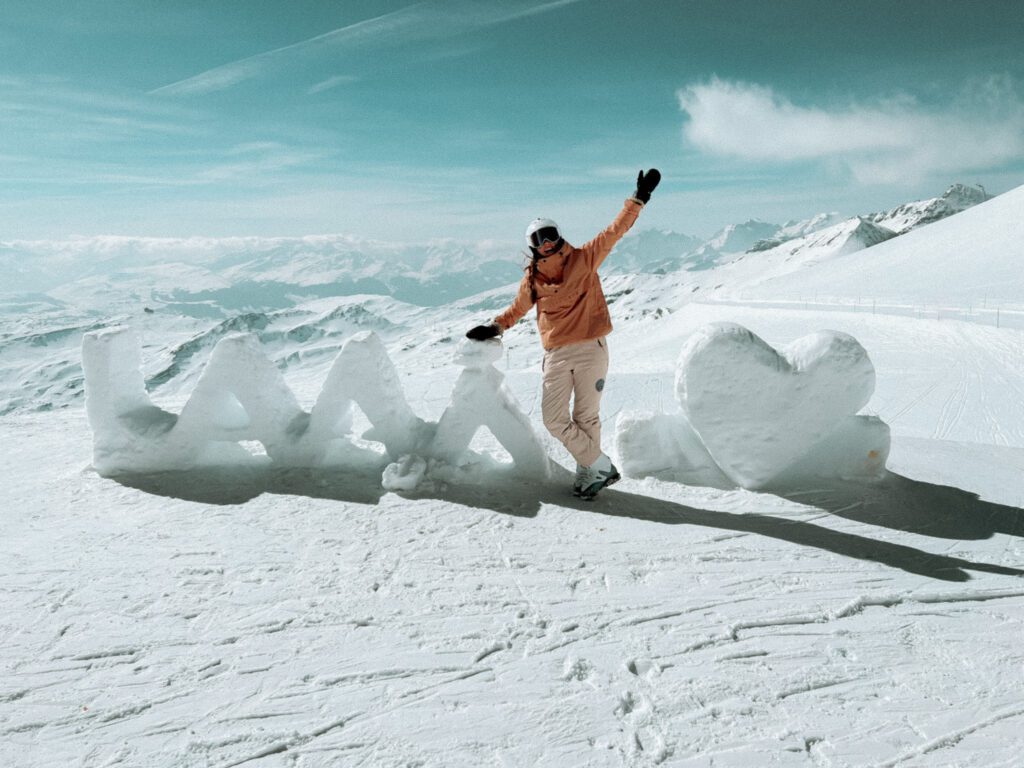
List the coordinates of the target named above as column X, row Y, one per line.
column 577, row 371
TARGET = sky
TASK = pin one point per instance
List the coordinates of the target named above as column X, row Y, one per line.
column 409, row 122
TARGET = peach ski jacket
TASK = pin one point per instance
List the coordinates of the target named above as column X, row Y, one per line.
column 570, row 303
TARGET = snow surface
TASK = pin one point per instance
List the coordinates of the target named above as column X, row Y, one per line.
column 295, row 616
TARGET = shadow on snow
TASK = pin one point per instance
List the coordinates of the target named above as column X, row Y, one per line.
column 896, row 502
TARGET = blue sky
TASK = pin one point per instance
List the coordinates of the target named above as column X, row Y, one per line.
column 398, row 121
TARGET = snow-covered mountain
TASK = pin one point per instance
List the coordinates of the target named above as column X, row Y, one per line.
column 903, row 218
column 736, row 238
column 652, row 249
column 252, row 273
column 972, row 259
column 793, row 229
column 217, row 277
column 833, row 241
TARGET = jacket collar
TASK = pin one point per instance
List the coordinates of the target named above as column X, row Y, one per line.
column 561, row 253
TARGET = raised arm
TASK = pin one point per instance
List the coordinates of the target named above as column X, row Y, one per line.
column 598, row 249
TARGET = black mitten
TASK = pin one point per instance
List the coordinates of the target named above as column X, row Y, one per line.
column 645, row 184
column 483, row 332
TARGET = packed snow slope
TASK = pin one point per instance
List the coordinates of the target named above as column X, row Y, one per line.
column 307, row 618
column 972, row 258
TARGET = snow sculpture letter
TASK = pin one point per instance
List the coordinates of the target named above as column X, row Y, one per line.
column 126, row 426
column 755, row 417
column 479, row 399
column 242, row 396
column 363, row 374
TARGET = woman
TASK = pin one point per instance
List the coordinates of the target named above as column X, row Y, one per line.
column 573, row 320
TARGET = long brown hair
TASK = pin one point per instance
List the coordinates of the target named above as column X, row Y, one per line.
column 533, row 275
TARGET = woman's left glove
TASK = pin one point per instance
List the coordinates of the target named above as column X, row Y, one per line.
column 483, row 332
column 645, row 184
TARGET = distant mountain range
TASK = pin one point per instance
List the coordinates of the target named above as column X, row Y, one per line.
column 304, row 296
column 197, row 274
column 216, row 277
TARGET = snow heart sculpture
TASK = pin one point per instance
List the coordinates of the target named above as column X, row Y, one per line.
column 242, row 396
column 759, row 417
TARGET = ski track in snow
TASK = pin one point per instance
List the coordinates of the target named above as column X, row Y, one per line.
column 145, row 626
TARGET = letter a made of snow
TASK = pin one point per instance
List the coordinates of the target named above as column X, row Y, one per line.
column 364, row 374
column 481, row 399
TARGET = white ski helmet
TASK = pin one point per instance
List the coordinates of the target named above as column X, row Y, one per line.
column 541, row 230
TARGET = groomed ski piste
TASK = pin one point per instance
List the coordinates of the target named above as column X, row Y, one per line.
column 271, row 613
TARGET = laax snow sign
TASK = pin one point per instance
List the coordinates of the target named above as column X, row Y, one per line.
column 242, row 396
column 750, row 416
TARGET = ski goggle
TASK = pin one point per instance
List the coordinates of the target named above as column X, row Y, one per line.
column 544, row 235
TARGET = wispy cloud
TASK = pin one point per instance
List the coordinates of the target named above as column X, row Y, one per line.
column 332, row 82
column 38, row 100
column 533, row 10
column 885, row 142
column 261, row 160
column 419, row 22
column 402, row 21
column 53, row 118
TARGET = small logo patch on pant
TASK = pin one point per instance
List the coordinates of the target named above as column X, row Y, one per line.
column 600, row 384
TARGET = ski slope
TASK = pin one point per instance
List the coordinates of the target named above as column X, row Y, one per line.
column 310, row 618
column 947, row 262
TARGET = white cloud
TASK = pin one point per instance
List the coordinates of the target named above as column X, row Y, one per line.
column 885, row 142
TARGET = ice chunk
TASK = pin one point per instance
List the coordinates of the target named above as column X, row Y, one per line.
column 404, row 474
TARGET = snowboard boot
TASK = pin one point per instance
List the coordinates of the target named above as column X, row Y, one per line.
column 581, row 476
column 600, row 474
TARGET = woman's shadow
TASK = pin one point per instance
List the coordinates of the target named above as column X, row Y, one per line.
column 903, row 504
column 895, row 502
